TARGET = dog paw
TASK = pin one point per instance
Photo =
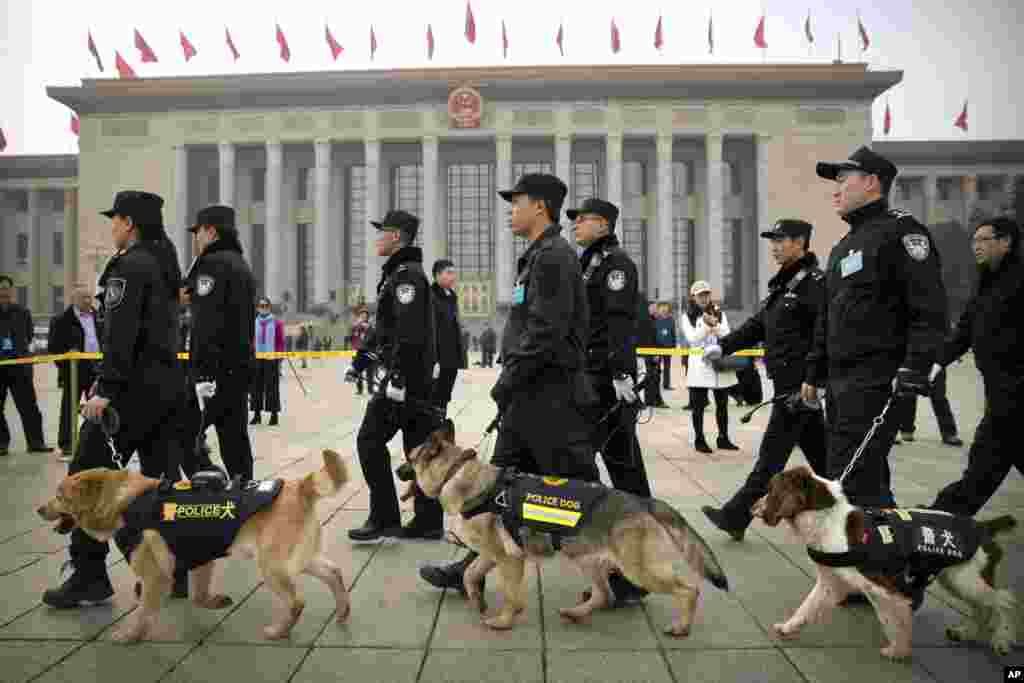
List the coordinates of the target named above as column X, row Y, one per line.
column 215, row 602
column 677, row 630
column 344, row 614
column 500, row 622
column 1001, row 646
column 128, row 634
column 478, row 603
column 962, row 633
column 275, row 632
column 894, row 652
column 574, row 614
column 785, row 632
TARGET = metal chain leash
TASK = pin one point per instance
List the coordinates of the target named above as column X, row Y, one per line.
column 875, row 424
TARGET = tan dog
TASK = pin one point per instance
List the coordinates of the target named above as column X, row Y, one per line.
column 645, row 539
column 283, row 537
column 874, row 550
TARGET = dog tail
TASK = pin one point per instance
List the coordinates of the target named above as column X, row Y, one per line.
column 995, row 529
column 998, row 526
column 696, row 550
column 329, row 479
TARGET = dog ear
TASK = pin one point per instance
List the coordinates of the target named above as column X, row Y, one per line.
column 816, row 494
column 469, row 453
column 790, row 494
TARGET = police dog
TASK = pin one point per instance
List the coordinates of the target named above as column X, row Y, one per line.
column 647, row 540
column 284, row 538
column 820, row 514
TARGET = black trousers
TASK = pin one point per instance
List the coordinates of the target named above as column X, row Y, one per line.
column 152, row 422
column 544, row 431
column 266, row 386
column 226, row 412
column 851, row 406
column 666, row 371
column 785, row 430
column 70, row 398
column 441, row 392
column 487, row 358
column 192, row 459
column 652, row 382
column 699, row 401
column 614, row 436
column 383, row 419
column 18, row 380
column 940, row 405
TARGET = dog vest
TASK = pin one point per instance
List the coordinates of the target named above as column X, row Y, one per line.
column 199, row 524
column 911, row 546
column 550, row 505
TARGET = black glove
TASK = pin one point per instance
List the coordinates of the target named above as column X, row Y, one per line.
column 911, row 382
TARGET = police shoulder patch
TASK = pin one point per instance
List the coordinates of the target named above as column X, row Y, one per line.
column 917, row 245
column 405, row 293
column 616, row 280
column 204, row 284
column 114, row 292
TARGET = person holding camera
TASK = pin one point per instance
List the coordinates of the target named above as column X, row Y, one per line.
column 785, row 323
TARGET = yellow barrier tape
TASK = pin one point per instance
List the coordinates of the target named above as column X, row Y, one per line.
column 76, row 355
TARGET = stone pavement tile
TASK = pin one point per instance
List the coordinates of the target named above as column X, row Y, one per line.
column 113, row 662
column 459, row 626
column 225, row 663
column 720, row 622
column 930, row 623
column 974, row 662
column 10, row 564
column 391, row 605
column 606, row 629
column 732, row 666
column 22, row 660
column 596, row 666
column 450, row 666
column 359, row 665
column 856, row 665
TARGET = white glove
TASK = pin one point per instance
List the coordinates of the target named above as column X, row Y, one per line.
column 437, row 370
column 205, row 390
column 394, row 393
column 624, row 389
column 712, row 353
column 936, row 369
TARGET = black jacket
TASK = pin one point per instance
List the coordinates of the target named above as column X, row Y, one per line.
column 223, row 311
column 140, row 319
column 547, row 324
column 646, row 330
column 785, row 322
column 610, row 277
column 885, row 301
column 404, row 338
column 450, row 347
column 993, row 325
column 66, row 333
column 16, row 331
column 489, row 340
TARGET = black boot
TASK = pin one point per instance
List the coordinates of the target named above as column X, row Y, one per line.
column 83, row 587
column 718, row 517
column 417, row 530
column 699, row 443
column 273, row 420
column 726, row 445
column 449, row 575
column 624, row 591
column 255, row 419
column 722, row 418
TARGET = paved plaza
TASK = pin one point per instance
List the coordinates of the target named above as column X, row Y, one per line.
column 401, row 629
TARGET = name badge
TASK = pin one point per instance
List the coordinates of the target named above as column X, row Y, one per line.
column 519, row 294
column 853, row 263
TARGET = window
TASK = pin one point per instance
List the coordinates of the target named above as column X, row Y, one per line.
column 51, row 201
column 683, row 233
column 356, row 226
column 732, row 265
column 20, row 201
column 683, row 182
column 21, row 249
column 58, row 249
column 990, row 187
column 520, row 244
column 946, row 189
column 735, row 178
column 259, row 184
column 303, row 267
column 57, row 300
column 407, row 194
column 213, row 187
column 632, row 230
column 302, row 186
column 471, row 198
column 258, row 255
column 586, row 181
column 22, row 294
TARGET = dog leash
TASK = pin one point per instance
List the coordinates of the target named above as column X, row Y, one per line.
column 875, row 424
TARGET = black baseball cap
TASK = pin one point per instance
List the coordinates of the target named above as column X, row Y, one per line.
column 400, row 220
column 543, row 185
column 864, row 161
column 141, row 207
column 789, row 227
column 217, row 215
column 598, row 207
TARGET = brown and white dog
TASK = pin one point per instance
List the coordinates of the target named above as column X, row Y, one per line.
column 820, row 514
column 284, row 539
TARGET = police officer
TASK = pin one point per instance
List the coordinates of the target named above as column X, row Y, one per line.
column 139, row 376
column 785, row 322
column 405, row 346
column 542, row 379
column 882, row 324
column 16, row 333
column 223, row 295
column 450, row 349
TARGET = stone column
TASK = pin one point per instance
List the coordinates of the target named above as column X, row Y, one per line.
column 715, row 215
column 969, row 188
column 272, row 224
column 765, row 267
column 931, row 196
column 613, row 161
column 430, row 227
column 322, row 223
column 226, row 157
column 563, row 162
column 180, row 233
column 373, row 203
column 661, row 247
column 72, row 267
column 36, row 297
column 504, row 268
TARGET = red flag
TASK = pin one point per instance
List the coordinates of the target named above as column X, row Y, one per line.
column 961, row 121
column 145, row 53
column 504, row 40
column 430, row 42
column 373, row 43
column 658, row 42
column 286, row 53
column 124, row 70
column 95, row 52
column 807, row 29
column 616, row 42
column 711, row 35
column 558, row 40
column 231, row 43
column 759, row 34
column 186, row 46
column 864, row 42
column 75, row 126
column 887, row 122
column 3, row 140
column 336, row 49
column 470, row 24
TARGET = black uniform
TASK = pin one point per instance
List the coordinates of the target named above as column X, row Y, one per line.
column 450, row 349
column 67, row 334
column 403, row 342
column 610, row 277
column 993, row 326
column 488, row 344
column 221, row 346
column 15, row 336
column 785, row 321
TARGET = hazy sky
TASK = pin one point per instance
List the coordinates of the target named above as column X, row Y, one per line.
column 948, row 53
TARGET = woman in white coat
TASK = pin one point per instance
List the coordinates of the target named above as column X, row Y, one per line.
column 702, row 329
